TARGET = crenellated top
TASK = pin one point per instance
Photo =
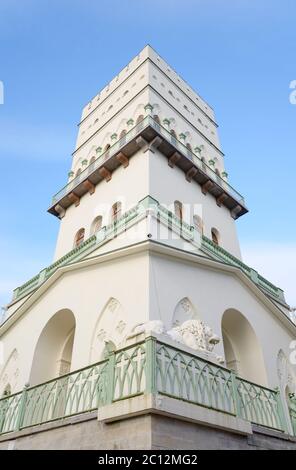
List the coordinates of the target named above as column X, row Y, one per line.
column 146, row 53
column 146, row 71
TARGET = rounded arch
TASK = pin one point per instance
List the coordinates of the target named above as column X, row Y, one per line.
column 184, row 311
column 116, row 210
column 198, row 223
column 139, row 112
column 91, row 151
column 243, row 352
column 110, row 329
column 122, row 133
column 215, row 234
column 178, row 209
column 139, row 118
column 79, row 237
column 96, row 224
column 53, row 351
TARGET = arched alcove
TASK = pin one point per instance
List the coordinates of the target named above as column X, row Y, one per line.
column 53, row 352
column 242, row 349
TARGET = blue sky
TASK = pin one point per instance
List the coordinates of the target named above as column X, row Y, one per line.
column 238, row 54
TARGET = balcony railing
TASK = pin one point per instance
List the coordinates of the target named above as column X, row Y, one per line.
column 148, row 121
column 149, row 366
column 129, row 218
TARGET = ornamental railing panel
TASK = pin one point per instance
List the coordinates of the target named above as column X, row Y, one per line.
column 9, row 412
column 150, row 366
column 258, row 404
column 129, row 372
column 66, row 396
column 182, row 375
column 292, row 411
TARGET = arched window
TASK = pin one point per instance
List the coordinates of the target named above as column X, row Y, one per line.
column 217, row 172
column 139, row 119
column 173, row 136
column 122, row 137
column 198, row 223
column 106, row 151
column 156, row 118
column 215, row 236
column 203, row 164
column 78, row 172
column 92, row 160
column 79, row 237
column 189, row 149
column 96, row 225
column 116, row 211
column 178, row 207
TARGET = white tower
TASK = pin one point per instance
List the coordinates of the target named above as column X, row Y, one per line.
column 148, row 248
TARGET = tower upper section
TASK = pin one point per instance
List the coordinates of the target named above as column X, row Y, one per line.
column 147, row 79
column 147, row 106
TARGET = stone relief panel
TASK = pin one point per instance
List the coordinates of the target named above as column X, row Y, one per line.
column 194, row 334
column 184, row 311
column 111, row 328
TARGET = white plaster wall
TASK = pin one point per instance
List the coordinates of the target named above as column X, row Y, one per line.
column 187, row 107
column 147, row 174
column 101, row 136
column 147, row 287
column 131, row 67
column 117, row 101
column 212, row 293
column 85, row 292
column 169, row 184
column 128, row 185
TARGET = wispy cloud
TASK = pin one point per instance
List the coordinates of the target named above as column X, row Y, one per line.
column 276, row 262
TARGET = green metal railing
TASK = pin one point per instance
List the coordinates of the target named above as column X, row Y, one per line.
column 130, row 217
column 292, row 410
column 150, row 366
column 148, row 121
column 209, row 246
